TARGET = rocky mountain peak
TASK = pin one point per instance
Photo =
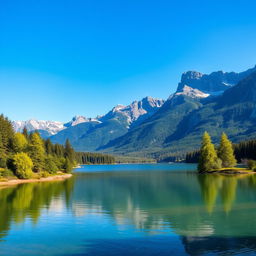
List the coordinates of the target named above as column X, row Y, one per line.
column 213, row 83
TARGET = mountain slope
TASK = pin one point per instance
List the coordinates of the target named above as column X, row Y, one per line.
column 92, row 134
column 178, row 126
column 152, row 133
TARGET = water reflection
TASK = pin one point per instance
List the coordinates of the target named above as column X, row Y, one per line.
column 209, row 213
column 26, row 201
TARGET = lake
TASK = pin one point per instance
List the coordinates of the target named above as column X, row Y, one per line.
column 137, row 209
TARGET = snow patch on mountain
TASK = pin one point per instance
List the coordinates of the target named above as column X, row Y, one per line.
column 191, row 92
column 131, row 113
column 52, row 127
column 79, row 120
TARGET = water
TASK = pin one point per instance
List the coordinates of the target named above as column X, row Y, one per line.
column 131, row 210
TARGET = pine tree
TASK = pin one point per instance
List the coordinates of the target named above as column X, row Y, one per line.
column 48, row 147
column 25, row 132
column 3, row 157
column 208, row 157
column 69, row 152
column 226, row 152
column 37, row 151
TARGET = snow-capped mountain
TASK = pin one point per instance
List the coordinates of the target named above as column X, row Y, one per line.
column 79, row 120
column 214, row 83
column 127, row 114
column 51, row 127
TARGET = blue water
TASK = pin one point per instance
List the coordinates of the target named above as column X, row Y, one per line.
column 147, row 209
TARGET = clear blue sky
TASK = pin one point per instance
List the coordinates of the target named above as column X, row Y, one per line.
column 61, row 58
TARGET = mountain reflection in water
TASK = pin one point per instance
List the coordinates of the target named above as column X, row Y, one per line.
column 155, row 211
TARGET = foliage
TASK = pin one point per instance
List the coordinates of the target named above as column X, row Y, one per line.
column 23, row 165
column 68, row 165
column 226, row 152
column 37, row 151
column 19, row 142
column 208, row 156
column 20, row 152
column 69, row 152
column 94, row 158
column 251, row 165
column 51, row 164
column 6, row 173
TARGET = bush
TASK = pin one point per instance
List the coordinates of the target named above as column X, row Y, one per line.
column 251, row 165
column 5, row 173
column 23, row 165
column 44, row 174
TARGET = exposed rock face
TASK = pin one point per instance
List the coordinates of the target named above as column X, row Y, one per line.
column 213, row 83
column 191, row 92
column 135, row 111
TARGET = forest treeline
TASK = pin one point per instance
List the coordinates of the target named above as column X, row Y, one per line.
column 94, row 158
column 242, row 150
column 27, row 155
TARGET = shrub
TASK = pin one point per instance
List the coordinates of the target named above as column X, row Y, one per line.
column 23, row 165
column 251, row 165
column 5, row 173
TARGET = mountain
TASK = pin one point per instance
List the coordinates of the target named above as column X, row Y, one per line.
column 89, row 136
column 46, row 128
column 150, row 135
column 178, row 125
column 79, row 120
column 214, row 83
column 134, row 113
column 216, row 102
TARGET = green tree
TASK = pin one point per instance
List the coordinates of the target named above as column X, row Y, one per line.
column 19, row 142
column 68, row 166
column 69, row 152
column 37, row 151
column 3, row 157
column 208, row 159
column 51, row 164
column 226, row 152
column 23, row 165
column 48, row 147
column 25, row 132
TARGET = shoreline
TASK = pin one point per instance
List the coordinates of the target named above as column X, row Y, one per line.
column 14, row 182
column 230, row 171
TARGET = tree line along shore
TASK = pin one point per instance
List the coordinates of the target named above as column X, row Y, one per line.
column 28, row 156
column 222, row 158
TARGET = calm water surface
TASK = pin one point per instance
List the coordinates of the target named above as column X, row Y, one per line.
column 131, row 210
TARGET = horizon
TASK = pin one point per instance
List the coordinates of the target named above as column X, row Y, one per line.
column 85, row 58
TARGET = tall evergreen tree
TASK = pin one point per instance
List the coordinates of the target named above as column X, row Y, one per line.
column 208, row 157
column 3, row 157
column 69, row 152
column 226, row 152
column 48, row 147
column 25, row 132
column 37, row 151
